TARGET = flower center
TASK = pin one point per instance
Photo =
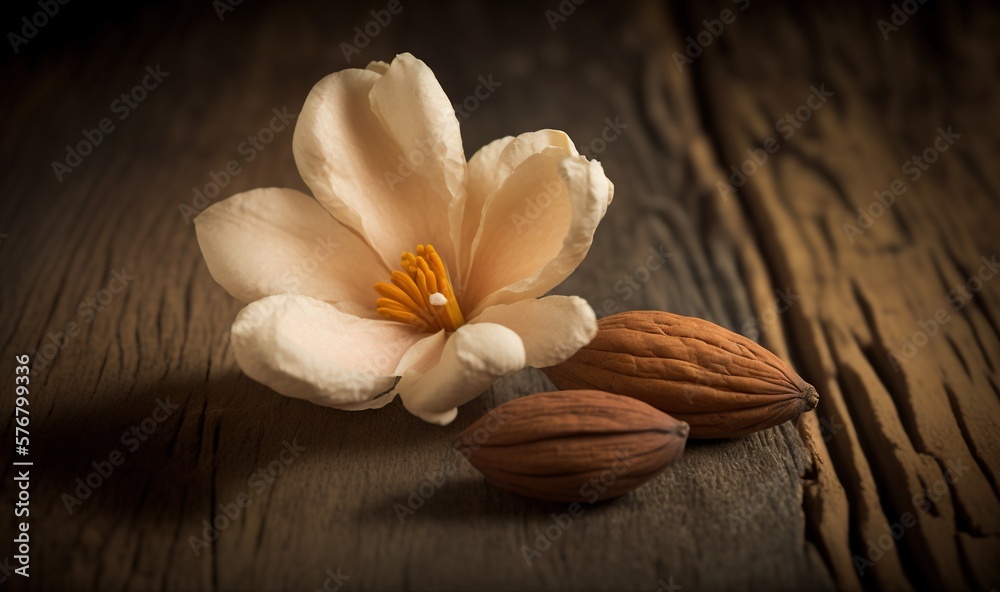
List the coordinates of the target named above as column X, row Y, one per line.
column 421, row 294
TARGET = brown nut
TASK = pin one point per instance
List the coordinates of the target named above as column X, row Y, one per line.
column 572, row 446
column 721, row 383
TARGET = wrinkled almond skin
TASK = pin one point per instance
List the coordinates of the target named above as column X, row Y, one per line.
column 572, row 446
column 721, row 383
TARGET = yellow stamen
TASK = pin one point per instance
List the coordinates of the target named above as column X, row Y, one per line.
column 402, row 300
column 415, row 294
column 403, row 317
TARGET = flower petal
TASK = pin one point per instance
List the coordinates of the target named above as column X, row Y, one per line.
column 552, row 328
column 281, row 241
column 417, row 114
column 378, row 66
column 472, row 359
column 358, row 171
column 307, row 349
column 536, row 229
column 424, row 355
column 526, row 145
column 490, row 166
column 479, row 186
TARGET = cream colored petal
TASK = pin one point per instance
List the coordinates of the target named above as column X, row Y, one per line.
column 417, row 114
column 527, row 144
column 479, row 185
column 536, row 229
column 281, row 241
column 490, row 167
column 423, row 356
column 482, row 171
column 473, row 358
column 552, row 328
column 378, row 66
column 358, row 171
column 307, row 349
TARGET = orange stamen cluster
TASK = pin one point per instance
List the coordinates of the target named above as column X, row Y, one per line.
column 421, row 294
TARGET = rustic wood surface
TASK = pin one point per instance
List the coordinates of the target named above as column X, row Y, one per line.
column 907, row 425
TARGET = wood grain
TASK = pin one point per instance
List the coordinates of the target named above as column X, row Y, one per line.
column 787, row 508
column 913, row 417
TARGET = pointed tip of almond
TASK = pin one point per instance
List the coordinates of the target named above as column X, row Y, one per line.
column 810, row 396
column 683, row 429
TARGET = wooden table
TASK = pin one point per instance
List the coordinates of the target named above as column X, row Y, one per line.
column 891, row 311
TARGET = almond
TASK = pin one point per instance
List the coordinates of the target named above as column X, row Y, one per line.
column 721, row 383
column 572, row 446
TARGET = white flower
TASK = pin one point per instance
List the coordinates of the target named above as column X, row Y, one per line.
column 381, row 150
